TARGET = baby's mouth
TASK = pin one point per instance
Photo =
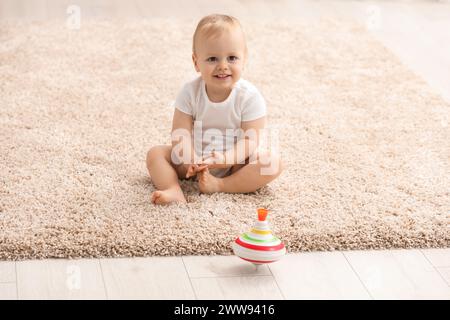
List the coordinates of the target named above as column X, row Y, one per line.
column 222, row 76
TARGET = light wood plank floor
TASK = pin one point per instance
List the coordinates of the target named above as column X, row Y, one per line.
column 417, row 31
column 386, row 274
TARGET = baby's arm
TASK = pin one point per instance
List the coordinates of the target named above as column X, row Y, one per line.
column 181, row 138
column 250, row 142
column 182, row 142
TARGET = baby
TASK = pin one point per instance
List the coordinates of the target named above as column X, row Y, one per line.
column 217, row 122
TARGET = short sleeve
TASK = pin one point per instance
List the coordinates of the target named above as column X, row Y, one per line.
column 254, row 106
column 183, row 102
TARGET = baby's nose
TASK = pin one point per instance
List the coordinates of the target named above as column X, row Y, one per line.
column 223, row 64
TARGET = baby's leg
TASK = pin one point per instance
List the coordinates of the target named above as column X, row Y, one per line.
column 164, row 176
column 244, row 178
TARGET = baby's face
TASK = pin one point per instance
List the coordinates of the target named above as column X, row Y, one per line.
column 220, row 59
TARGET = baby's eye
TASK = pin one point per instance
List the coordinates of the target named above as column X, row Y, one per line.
column 232, row 59
column 211, row 59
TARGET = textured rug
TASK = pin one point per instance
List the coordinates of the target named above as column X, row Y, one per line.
column 366, row 142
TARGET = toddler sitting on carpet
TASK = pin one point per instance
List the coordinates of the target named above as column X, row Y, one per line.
column 217, row 122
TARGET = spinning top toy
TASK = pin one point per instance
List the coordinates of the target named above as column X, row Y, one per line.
column 259, row 246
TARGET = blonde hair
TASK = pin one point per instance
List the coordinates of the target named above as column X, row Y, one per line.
column 214, row 24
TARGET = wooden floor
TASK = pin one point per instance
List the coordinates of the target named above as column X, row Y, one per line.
column 389, row 274
column 417, row 31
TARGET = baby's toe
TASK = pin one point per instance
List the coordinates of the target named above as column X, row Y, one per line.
column 155, row 195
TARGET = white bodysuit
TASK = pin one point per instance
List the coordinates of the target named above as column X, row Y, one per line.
column 219, row 122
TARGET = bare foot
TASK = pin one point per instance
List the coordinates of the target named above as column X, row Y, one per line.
column 167, row 196
column 207, row 183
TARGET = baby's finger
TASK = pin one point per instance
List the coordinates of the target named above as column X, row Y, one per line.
column 189, row 172
column 202, row 167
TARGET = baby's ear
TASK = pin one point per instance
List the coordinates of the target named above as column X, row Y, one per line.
column 194, row 60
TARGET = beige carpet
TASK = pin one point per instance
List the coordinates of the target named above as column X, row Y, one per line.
column 366, row 142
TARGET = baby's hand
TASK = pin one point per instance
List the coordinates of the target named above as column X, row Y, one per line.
column 193, row 169
column 215, row 160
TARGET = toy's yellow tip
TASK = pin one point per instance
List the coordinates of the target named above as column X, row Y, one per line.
column 262, row 214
